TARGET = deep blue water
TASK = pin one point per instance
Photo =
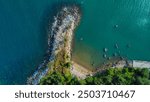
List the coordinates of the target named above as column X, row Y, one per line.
column 23, row 38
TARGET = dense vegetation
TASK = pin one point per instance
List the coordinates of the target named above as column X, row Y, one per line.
column 57, row 78
column 112, row 76
column 60, row 74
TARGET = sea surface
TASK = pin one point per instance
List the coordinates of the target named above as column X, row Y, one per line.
column 23, row 38
column 120, row 26
column 104, row 24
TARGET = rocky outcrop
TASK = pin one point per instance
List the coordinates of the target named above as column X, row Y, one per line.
column 60, row 35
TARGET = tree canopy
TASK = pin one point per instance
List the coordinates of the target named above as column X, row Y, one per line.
column 112, row 76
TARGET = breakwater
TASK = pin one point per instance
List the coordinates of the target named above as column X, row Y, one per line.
column 60, row 35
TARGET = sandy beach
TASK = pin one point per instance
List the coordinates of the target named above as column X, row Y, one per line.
column 80, row 71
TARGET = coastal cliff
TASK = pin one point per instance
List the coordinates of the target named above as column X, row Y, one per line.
column 59, row 42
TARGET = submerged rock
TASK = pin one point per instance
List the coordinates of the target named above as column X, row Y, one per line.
column 116, row 46
column 81, row 39
column 128, row 45
column 115, row 54
column 108, row 58
column 105, row 49
column 104, row 56
column 116, row 26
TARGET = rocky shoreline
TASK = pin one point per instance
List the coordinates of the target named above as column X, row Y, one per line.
column 60, row 37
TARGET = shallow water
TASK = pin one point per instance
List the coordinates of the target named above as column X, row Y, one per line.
column 106, row 23
column 23, row 37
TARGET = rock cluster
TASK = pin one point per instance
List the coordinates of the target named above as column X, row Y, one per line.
column 62, row 29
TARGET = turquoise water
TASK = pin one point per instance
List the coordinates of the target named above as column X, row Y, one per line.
column 106, row 23
column 23, row 41
column 23, row 37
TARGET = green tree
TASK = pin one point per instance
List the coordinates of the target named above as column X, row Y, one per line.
column 89, row 80
column 74, row 81
column 142, row 81
column 97, row 81
column 145, row 73
column 53, row 79
column 107, row 79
